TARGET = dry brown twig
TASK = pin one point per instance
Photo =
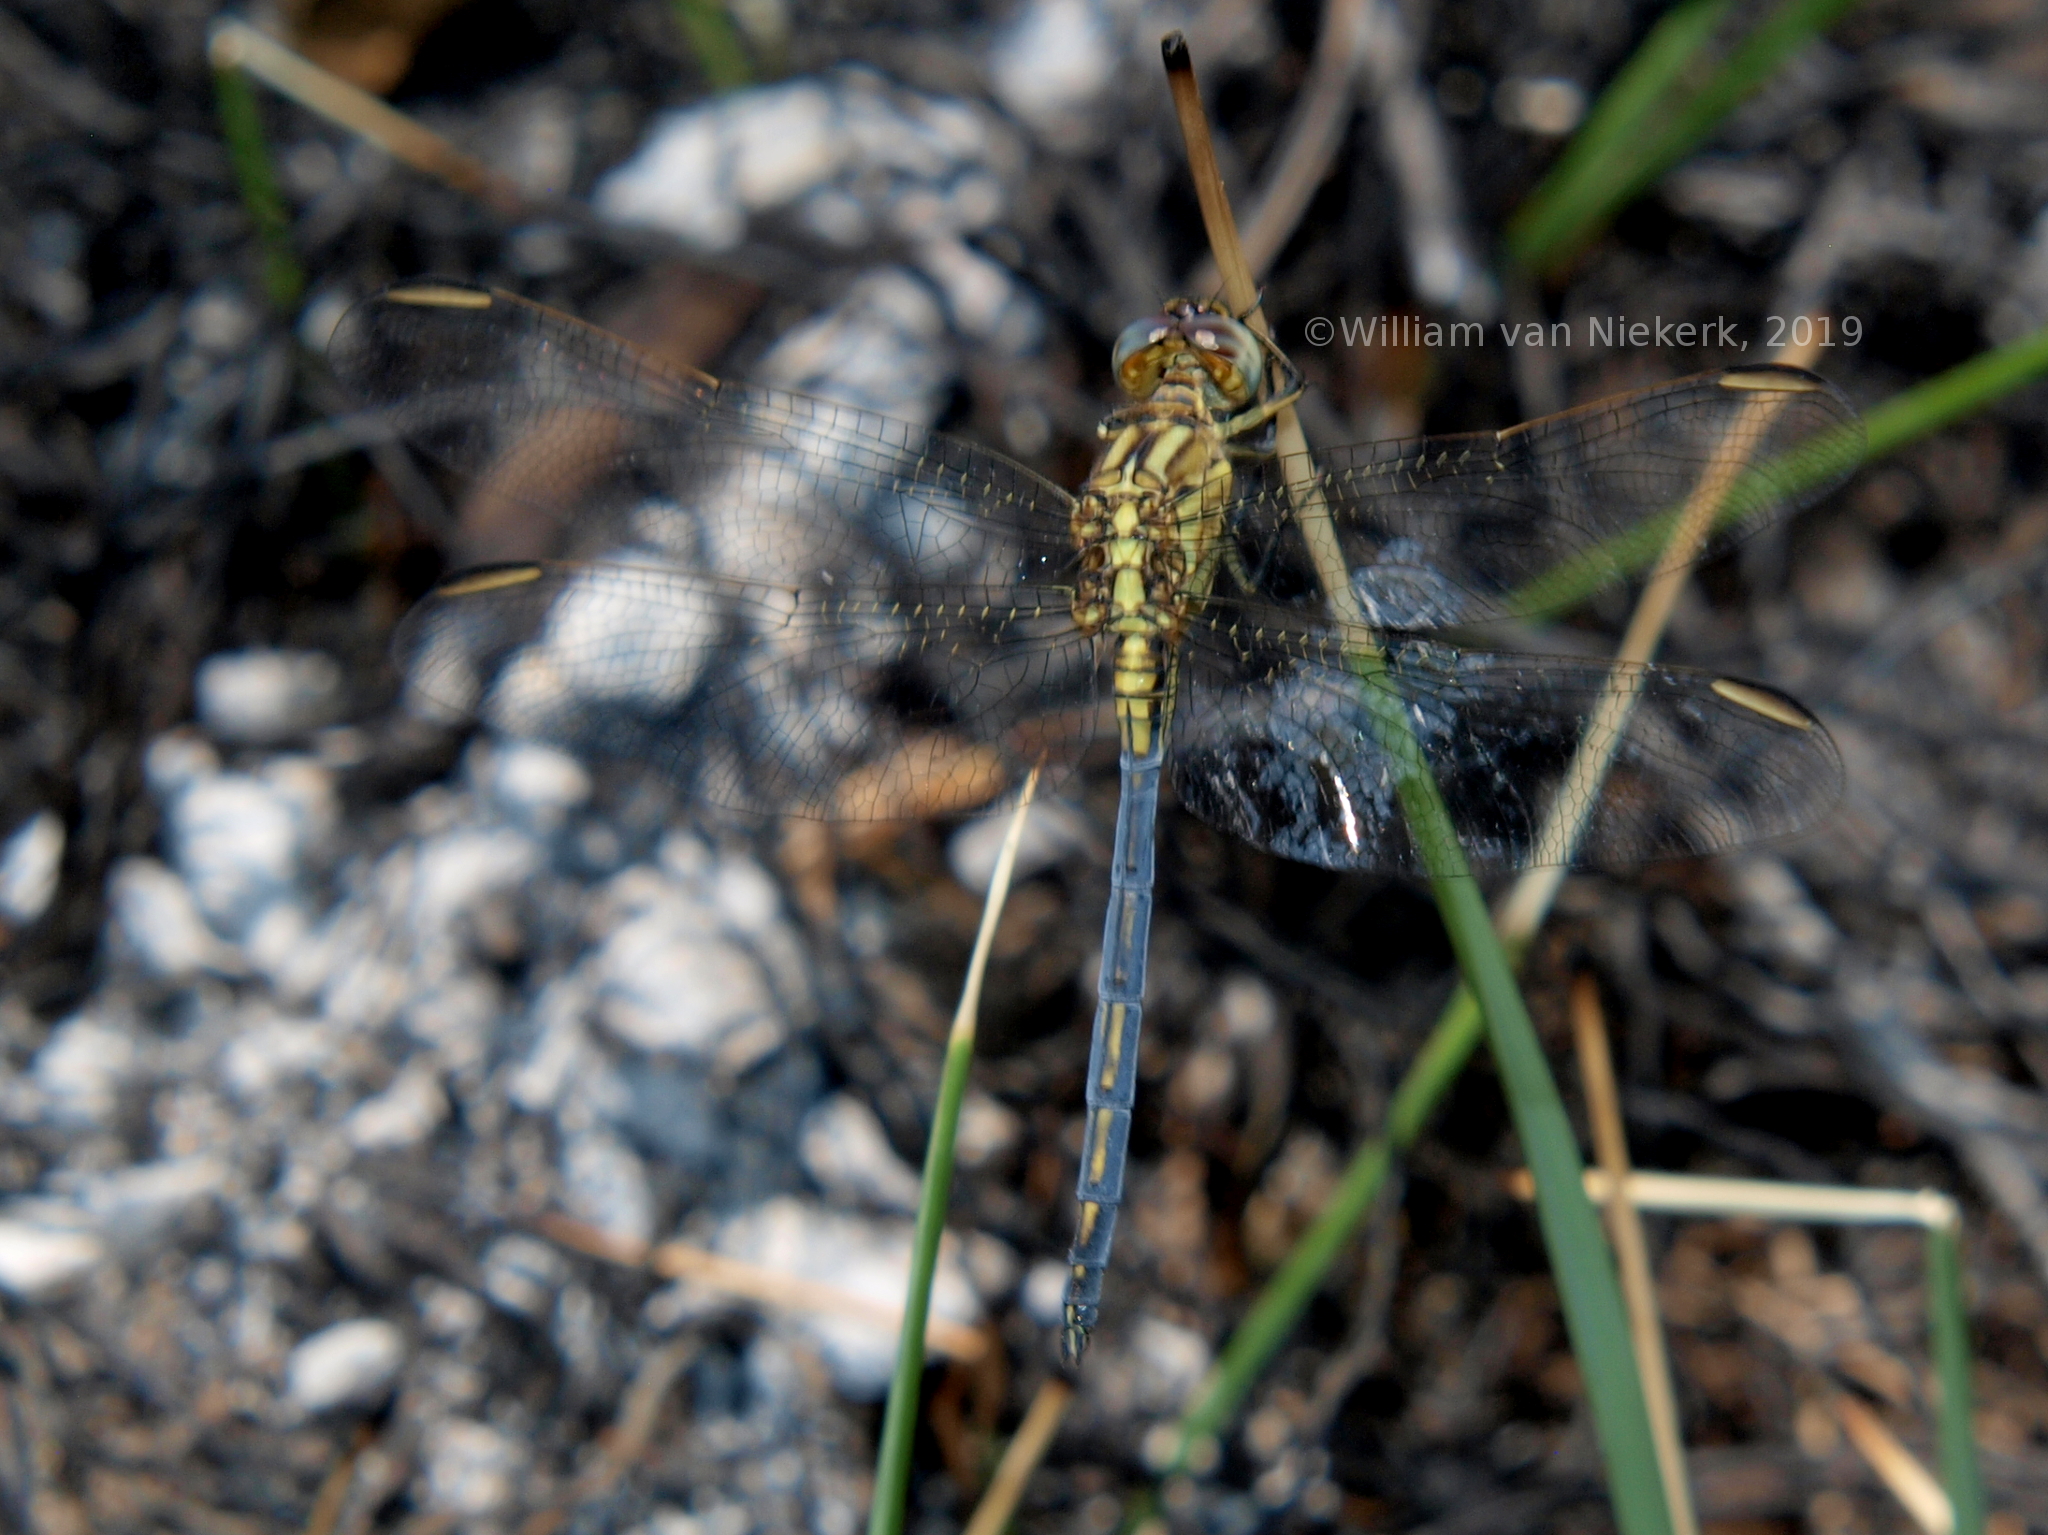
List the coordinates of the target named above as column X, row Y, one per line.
column 754, row 1282
column 1631, row 1251
column 237, row 45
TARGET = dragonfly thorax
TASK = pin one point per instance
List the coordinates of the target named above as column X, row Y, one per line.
column 1149, row 526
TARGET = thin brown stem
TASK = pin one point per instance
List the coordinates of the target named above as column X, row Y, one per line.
column 1631, row 1251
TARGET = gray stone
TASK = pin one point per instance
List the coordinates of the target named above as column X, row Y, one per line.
column 38, row 1259
column 28, row 868
column 157, row 924
column 847, row 1153
column 257, row 697
column 472, row 1470
column 348, row 1364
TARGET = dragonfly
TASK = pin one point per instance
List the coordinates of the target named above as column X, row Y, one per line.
column 794, row 606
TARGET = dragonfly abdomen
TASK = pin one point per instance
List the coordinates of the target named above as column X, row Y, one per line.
column 1149, row 524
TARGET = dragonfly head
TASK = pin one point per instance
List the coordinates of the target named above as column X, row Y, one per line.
column 1189, row 334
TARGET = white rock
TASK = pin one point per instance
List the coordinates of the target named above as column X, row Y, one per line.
column 745, row 895
column 1044, row 1293
column 448, row 1311
column 605, row 1184
column 1053, row 830
column 677, row 181
column 236, row 840
column 260, row 696
column 1053, row 66
column 522, row 1273
column 82, row 1066
column 1779, row 917
column 472, row 1470
column 782, row 142
column 133, row 1205
column 37, row 1259
column 175, row 760
column 456, row 1018
column 992, row 1264
column 271, row 1051
column 28, row 867
column 666, row 984
column 866, row 1257
column 1161, row 1366
column 404, row 1114
column 840, row 150
column 219, row 319
column 983, row 300
column 1247, row 1012
column 350, row 1363
column 988, row 1129
column 461, row 867
column 847, row 1152
column 536, row 785
column 882, row 347
column 157, row 922
column 561, row 1046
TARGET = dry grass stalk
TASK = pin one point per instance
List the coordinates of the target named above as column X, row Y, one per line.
column 752, row 1281
column 1026, row 1449
column 1631, row 1252
column 237, row 45
column 1896, row 1466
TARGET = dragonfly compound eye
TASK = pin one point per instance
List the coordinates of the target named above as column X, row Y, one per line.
column 1140, row 357
column 1230, row 353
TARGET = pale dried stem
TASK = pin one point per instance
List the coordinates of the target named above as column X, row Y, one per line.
column 1631, row 1251
column 1021, row 1457
column 1766, row 1199
column 237, row 45
column 1896, row 1466
column 753, row 1282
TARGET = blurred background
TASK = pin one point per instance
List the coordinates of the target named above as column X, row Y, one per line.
column 314, row 1014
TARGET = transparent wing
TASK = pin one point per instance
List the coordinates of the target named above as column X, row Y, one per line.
column 797, row 606
column 1460, row 530
column 1273, row 742
column 546, row 413
column 815, row 701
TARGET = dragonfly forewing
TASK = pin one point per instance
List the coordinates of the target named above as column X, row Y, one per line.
column 1455, row 531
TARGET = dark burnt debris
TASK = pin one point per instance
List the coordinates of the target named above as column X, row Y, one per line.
column 320, row 1019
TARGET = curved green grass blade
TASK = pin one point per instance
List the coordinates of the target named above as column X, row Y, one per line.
column 1646, row 121
column 241, row 124
column 899, row 1418
column 1577, row 191
column 1905, row 417
column 715, row 42
column 1949, row 1334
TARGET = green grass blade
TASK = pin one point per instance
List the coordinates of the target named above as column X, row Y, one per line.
column 241, row 124
column 1906, row 417
column 899, row 1419
column 1635, row 143
column 716, row 43
column 1588, row 1290
column 1949, row 1329
column 1576, row 192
